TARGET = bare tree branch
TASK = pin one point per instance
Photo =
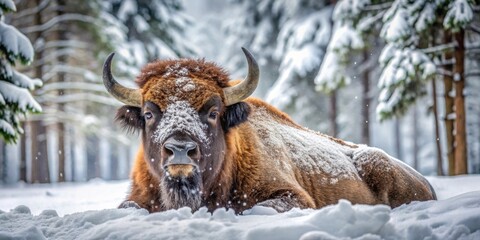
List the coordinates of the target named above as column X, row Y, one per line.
column 52, row 22
column 76, row 97
column 474, row 28
column 84, row 86
column 472, row 74
column 86, row 74
column 65, row 43
column 30, row 11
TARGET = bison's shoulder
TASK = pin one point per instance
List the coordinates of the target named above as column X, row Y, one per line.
column 290, row 147
column 274, row 113
column 283, row 118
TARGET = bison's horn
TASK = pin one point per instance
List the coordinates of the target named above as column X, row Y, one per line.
column 246, row 87
column 125, row 95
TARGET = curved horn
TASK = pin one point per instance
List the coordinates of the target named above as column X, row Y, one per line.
column 125, row 95
column 246, row 87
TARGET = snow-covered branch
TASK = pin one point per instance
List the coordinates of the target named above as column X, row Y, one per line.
column 451, row 116
column 368, row 65
column 439, row 48
column 447, row 62
column 15, row 44
column 52, row 22
column 378, row 7
column 444, row 72
column 367, row 23
column 12, row 94
column 378, row 16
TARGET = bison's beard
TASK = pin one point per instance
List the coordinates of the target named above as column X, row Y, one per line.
column 182, row 192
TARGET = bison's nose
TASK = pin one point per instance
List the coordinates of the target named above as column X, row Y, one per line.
column 181, row 157
column 181, row 152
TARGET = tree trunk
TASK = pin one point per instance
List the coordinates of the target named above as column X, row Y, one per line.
column 68, row 153
column 398, row 138
column 61, row 152
column 40, row 170
column 93, row 168
column 437, row 129
column 62, row 60
column 415, row 137
column 461, row 166
column 333, row 114
column 122, row 162
column 104, row 156
column 23, row 155
column 80, row 163
column 366, row 103
column 114, row 163
column 3, row 162
column 448, row 87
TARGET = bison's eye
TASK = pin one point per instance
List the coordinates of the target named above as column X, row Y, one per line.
column 148, row 115
column 213, row 115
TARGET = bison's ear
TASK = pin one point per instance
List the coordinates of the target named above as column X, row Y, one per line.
column 130, row 118
column 234, row 115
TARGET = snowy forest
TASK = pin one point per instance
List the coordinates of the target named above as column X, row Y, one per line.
column 403, row 76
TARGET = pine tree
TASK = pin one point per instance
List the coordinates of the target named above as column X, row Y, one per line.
column 406, row 67
column 408, row 59
column 301, row 46
column 411, row 58
column 66, row 59
column 15, row 99
column 354, row 40
column 255, row 25
column 289, row 39
column 152, row 30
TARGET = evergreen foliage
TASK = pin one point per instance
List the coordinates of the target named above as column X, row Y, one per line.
column 15, row 98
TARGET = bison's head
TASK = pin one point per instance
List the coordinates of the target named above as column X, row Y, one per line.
column 184, row 109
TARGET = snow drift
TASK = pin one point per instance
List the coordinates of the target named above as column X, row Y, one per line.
column 456, row 217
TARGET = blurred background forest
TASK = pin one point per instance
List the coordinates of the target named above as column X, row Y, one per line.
column 400, row 75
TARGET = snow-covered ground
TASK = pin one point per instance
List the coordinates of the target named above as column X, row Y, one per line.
column 86, row 211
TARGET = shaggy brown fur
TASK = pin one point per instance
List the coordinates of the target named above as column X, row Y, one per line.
column 145, row 189
column 269, row 159
column 159, row 81
column 194, row 68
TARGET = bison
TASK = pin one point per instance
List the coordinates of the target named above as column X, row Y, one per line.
column 206, row 143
